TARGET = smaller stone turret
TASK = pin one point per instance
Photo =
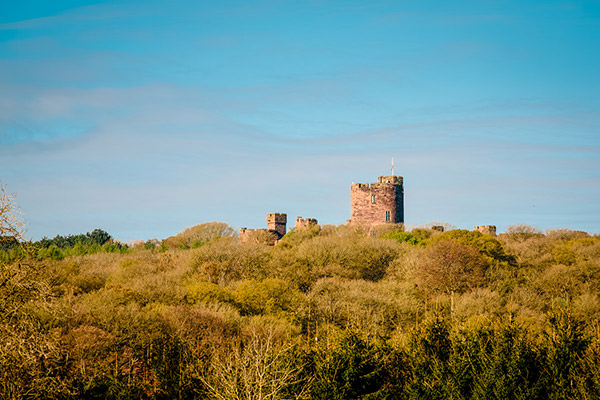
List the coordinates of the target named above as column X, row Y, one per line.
column 277, row 222
column 276, row 229
column 305, row 223
column 486, row 229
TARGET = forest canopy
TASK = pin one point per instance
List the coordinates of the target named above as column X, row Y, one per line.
column 332, row 313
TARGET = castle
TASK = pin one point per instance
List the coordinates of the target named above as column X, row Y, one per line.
column 381, row 202
column 377, row 203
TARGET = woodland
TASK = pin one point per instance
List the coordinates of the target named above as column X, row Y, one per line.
column 331, row 312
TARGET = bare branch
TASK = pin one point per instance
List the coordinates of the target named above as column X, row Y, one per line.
column 11, row 223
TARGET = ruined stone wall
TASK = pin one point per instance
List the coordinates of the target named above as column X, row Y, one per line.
column 259, row 236
column 276, row 229
column 305, row 223
column 378, row 203
column 486, row 229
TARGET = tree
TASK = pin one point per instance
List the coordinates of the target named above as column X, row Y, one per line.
column 451, row 267
column 198, row 235
column 11, row 224
column 350, row 367
column 260, row 365
column 98, row 236
column 486, row 244
column 522, row 231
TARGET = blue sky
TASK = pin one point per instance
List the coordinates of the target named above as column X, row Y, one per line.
column 146, row 117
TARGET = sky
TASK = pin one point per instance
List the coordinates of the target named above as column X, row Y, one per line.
column 143, row 118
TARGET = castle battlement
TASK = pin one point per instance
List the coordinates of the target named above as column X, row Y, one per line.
column 277, row 222
column 392, row 180
column 303, row 223
column 277, row 218
column 276, row 229
column 486, row 229
column 382, row 180
column 361, row 186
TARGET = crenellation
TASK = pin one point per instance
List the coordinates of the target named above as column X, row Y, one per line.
column 486, row 229
column 276, row 229
column 393, row 180
column 305, row 223
column 277, row 222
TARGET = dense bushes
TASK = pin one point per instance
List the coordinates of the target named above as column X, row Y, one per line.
column 198, row 235
column 327, row 314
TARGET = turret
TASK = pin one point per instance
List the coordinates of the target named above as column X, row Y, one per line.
column 277, row 222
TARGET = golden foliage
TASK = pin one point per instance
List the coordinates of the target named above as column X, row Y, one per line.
column 198, row 235
column 241, row 320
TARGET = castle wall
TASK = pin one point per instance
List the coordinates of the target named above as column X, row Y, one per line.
column 486, row 229
column 259, row 236
column 276, row 229
column 378, row 203
column 305, row 223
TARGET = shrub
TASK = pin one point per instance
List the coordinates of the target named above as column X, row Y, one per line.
column 270, row 296
column 52, row 252
column 486, row 244
column 225, row 260
column 207, row 292
column 403, row 237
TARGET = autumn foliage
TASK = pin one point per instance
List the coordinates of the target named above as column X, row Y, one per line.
column 333, row 313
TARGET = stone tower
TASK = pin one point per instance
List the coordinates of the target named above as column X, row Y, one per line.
column 486, row 229
column 276, row 228
column 381, row 202
column 277, row 222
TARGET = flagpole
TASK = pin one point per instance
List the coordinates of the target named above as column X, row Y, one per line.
column 392, row 167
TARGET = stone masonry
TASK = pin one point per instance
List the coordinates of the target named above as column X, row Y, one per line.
column 277, row 222
column 259, row 236
column 305, row 223
column 276, row 229
column 486, row 229
column 381, row 202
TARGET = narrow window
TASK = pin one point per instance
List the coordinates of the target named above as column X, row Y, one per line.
column 372, row 199
column 387, row 216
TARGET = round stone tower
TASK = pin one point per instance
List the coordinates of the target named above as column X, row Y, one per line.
column 381, row 202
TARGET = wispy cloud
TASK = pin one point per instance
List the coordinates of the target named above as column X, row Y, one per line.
column 75, row 15
column 147, row 118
